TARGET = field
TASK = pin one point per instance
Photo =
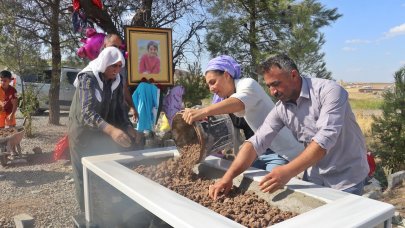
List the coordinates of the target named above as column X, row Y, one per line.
column 366, row 104
column 364, row 107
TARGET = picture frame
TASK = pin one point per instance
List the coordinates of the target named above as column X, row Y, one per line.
column 150, row 55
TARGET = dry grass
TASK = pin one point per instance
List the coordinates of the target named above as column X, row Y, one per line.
column 364, row 106
column 364, row 121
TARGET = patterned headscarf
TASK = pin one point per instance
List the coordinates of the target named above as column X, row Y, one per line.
column 223, row 63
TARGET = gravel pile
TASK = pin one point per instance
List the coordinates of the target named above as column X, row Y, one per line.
column 41, row 188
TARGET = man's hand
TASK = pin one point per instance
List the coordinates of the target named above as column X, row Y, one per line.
column 276, row 179
column 222, row 186
column 135, row 114
column 191, row 115
column 280, row 175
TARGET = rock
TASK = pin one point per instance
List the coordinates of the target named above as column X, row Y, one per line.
column 169, row 142
column 37, row 150
column 36, row 191
column 18, row 161
column 373, row 194
column 397, row 219
column 23, row 221
column 64, row 162
column 395, row 179
column 372, row 185
column 150, row 143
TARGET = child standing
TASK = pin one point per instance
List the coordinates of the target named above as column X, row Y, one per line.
column 150, row 62
column 8, row 100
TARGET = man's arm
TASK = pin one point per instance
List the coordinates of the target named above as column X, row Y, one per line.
column 229, row 105
column 280, row 175
column 243, row 160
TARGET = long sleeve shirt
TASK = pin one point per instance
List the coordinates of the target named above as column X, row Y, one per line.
column 322, row 113
column 89, row 96
column 98, row 102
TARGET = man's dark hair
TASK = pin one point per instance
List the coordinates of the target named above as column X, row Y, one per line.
column 5, row 74
column 282, row 61
column 109, row 36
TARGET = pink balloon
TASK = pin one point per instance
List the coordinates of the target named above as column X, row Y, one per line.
column 92, row 44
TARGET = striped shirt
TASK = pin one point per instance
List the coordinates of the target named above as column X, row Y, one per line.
column 89, row 97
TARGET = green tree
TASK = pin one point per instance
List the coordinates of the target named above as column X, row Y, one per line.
column 28, row 104
column 22, row 56
column 18, row 52
column 304, row 41
column 250, row 30
column 388, row 130
column 194, row 85
column 47, row 22
column 186, row 18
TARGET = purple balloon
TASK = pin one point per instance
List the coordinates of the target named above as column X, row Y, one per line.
column 92, row 44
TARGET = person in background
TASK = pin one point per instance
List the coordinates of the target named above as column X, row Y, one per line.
column 8, row 100
column 113, row 40
column 245, row 98
column 98, row 122
column 319, row 114
column 150, row 62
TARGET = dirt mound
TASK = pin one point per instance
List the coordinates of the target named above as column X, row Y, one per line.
column 245, row 208
column 5, row 132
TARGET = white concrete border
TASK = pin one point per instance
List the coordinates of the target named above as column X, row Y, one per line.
column 341, row 209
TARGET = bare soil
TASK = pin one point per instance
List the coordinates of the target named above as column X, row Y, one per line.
column 396, row 197
column 245, row 208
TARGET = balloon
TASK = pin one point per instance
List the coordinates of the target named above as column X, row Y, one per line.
column 92, row 44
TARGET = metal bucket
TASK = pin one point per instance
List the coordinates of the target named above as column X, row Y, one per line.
column 213, row 134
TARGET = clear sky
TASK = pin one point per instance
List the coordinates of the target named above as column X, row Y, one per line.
column 367, row 44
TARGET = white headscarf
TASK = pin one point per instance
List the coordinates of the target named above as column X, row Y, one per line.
column 107, row 57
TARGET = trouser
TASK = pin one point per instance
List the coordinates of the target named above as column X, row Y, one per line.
column 357, row 189
column 6, row 123
column 77, row 167
column 103, row 145
column 269, row 160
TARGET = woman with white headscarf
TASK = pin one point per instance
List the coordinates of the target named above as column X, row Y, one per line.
column 98, row 122
column 244, row 97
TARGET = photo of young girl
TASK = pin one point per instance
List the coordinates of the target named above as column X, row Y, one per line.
column 149, row 63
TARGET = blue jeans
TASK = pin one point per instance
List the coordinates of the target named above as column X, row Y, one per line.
column 357, row 189
column 269, row 160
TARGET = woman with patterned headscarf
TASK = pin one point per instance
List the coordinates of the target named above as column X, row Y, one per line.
column 244, row 97
column 98, row 119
